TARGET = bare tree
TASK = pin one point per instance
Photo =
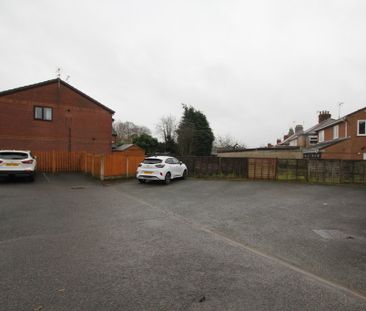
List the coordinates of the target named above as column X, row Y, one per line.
column 127, row 130
column 167, row 128
column 227, row 142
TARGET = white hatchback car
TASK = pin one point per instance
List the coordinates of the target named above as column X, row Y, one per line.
column 17, row 163
column 161, row 168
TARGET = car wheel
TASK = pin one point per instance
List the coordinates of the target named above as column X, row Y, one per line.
column 141, row 181
column 184, row 176
column 168, row 178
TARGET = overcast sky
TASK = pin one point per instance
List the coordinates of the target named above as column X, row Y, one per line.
column 255, row 68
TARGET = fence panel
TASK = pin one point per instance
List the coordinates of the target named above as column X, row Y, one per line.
column 359, row 172
column 133, row 163
column 324, row 171
column 115, row 164
column 292, row 169
column 262, row 168
column 215, row 166
column 59, row 161
column 119, row 165
column 234, row 167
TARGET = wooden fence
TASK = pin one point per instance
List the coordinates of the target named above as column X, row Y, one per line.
column 103, row 166
column 59, row 161
column 214, row 166
column 116, row 165
column 314, row 171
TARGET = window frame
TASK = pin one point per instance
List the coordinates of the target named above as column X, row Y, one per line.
column 358, row 127
column 312, row 139
column 336, row 131
column 169, row 161
column 321, row 136
column 43, row 113
column 176, row 161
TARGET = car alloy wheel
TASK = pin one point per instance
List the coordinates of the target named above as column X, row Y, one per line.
column 168, row 178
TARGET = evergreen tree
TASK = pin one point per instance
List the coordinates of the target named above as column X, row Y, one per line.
column 195, row 136
column 146, row 142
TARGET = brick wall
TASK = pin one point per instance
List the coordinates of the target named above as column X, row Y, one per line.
column 78, row 123
column 352, row 149
column 279, row 154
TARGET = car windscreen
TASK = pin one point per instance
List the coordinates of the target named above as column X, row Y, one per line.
column 13, row 155
column 152, row 161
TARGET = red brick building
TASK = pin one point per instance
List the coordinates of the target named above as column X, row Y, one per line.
column 343, row 139
column 53, row 115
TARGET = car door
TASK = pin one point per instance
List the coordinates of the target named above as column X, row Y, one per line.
column 178, row 168
column 170, row 166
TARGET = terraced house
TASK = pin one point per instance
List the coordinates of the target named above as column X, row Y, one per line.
column 53, row 115
column 343, row 139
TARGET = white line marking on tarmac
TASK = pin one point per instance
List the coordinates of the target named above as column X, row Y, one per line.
column 45, row 177
column 223, row 237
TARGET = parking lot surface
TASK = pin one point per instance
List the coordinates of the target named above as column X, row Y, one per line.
column 69, row 242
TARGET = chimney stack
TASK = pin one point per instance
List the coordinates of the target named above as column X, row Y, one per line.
column 299, row 129
column 323, row 115
column 278, row 141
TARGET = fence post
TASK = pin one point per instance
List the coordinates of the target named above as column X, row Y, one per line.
column 275, row 168
column 102, row 161
column 127, row 175
column 220, row 169
column 92, row 168
column 53, row 162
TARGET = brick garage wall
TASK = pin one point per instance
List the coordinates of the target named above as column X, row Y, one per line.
column 76, row 119
column 278, row 154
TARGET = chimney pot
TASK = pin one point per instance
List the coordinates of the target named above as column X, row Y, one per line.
column 323, row 115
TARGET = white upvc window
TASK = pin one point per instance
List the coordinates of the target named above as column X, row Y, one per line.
column 42, row 113
column 361, row 128
column 321, row 136
column 313, row 139
column 335, row 131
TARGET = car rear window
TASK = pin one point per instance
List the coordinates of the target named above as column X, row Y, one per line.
column 152, row 161
column 13, row 155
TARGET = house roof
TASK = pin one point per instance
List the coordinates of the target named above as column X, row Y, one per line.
column 324, row 144
column 340, row 119
column 320, row 126
column 57, row 80
column 309, row 131
column 125, row 147
column 316, row 127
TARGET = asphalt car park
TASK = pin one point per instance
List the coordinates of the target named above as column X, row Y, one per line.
column 70, row 242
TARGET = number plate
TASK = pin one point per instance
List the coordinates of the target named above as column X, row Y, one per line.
column 11, row 164
column 147, row 173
